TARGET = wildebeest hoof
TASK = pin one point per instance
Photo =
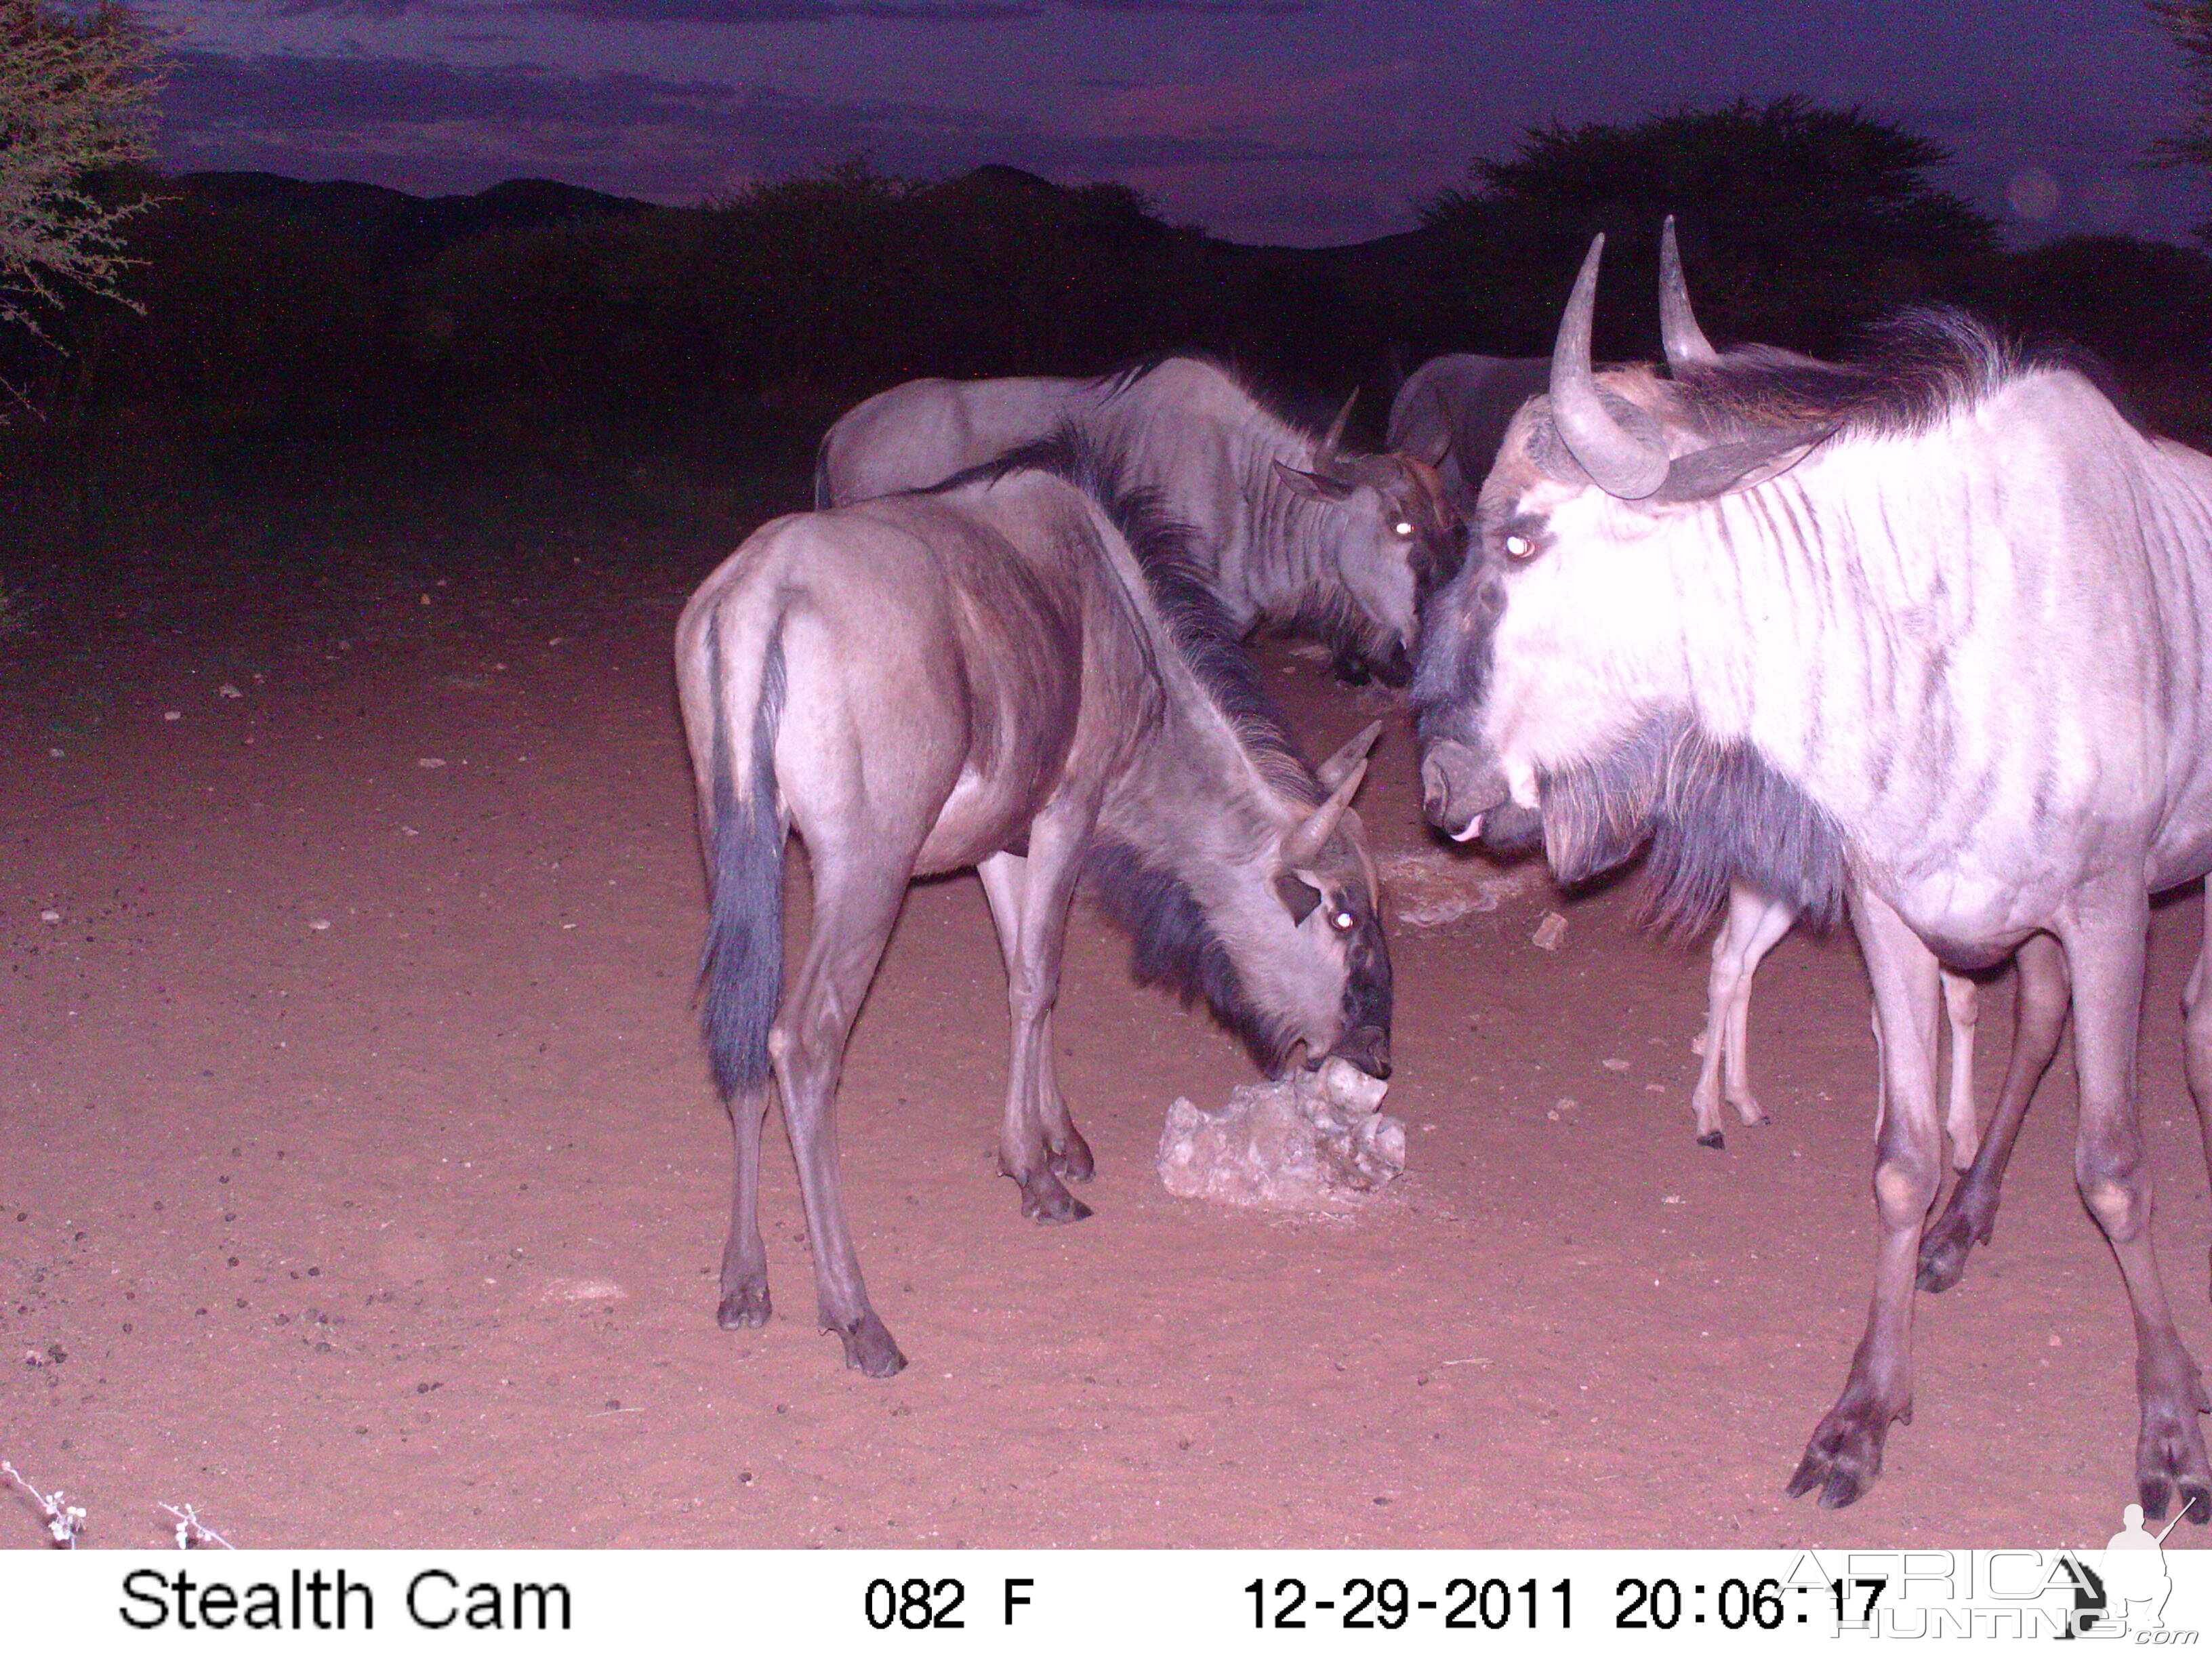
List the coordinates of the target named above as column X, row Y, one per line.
column 1943, row 1258
column 2169, row 1448
column 1942, row 1264
column 1845, row 1456
column 1046, row 1199
column 1713, row 1138
column 744, row 1307
column 1945, row 1247
column 1071, row 1161
column 2156, row 1491
column 869, row 1348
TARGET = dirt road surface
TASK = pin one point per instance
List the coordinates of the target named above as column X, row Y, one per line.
column 360, row 1183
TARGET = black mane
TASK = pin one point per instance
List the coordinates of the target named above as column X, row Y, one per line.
column 1713, row 814
column 1173, row 943
column 1196, row 622
column 1920, row 366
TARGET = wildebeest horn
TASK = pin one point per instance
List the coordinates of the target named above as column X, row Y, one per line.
column 1333, row 771
column 1618, row 461
column 1678, row 324
column 1325, row 456
column 1303, row 844
column 1437, row 451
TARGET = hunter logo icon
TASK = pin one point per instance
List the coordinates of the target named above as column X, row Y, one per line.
column 2137, row 1584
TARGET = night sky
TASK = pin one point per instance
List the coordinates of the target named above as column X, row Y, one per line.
column 1262, row 120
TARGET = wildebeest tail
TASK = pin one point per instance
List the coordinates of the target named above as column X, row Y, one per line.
column 822, row 501
column 742, row 976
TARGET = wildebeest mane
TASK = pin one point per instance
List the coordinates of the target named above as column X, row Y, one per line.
column 1197, row 624
column 1172, row 944
column 1918, row 366
column 1116, row 381
column 1714, row 812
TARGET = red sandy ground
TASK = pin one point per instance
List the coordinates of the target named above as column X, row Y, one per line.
column 401, row 1230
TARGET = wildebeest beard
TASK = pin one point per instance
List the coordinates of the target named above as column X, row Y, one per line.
column 1713, row 812
column 1173, row 944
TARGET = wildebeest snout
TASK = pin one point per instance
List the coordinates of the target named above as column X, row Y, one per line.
column 1457, row 788
column 1369, row 1048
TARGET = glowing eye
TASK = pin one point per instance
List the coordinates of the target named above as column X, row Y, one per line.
column 1343, row 921
column 1402, row 527
column 1519, row 547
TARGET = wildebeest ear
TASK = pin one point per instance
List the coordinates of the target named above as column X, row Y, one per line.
column 1299, row 897
column 1338, row 766
column 1726, row 468
column 1312, row 485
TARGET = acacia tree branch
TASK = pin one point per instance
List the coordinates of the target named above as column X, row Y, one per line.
column 76, row 94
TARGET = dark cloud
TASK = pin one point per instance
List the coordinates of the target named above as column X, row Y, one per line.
column 2061, row 133
column 734, row 13
column 347, row 8
column 790, row 11
column 211, row 93
column 439, row 127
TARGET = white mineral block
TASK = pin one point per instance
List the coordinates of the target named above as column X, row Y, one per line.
column 1315, row 1140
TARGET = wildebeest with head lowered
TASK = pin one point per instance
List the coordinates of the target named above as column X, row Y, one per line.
column 1930, row 631
column 986, row 675
column 1287, row 530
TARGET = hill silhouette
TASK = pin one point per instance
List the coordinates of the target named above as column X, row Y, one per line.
column 536, row 324
column 404, row 226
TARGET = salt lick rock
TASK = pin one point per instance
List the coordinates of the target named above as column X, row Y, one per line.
column 1315, row 1140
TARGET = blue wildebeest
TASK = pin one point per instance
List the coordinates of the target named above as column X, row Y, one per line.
column 1925, row 631
column 1756, row 921
column 1456, row 409
column 984, row 675
column 1288, row 530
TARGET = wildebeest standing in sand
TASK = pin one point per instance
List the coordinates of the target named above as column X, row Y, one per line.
column 1287, row 531
column 1457, row 408
column 984, row 675
column 1931, row 629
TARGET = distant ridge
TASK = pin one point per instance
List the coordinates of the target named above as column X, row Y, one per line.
column 405, row 227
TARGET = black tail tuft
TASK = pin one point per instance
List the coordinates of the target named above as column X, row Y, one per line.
column 742, row 978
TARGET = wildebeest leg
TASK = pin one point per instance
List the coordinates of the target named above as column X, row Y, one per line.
column 2039, row 1020
column 1754, row 923
column 2105, row 948
column 2196, row 1006
column 1038, row 1142
column 1962, row 1002
column 1844, row 1455
column 856, row 899
column 745, row 1259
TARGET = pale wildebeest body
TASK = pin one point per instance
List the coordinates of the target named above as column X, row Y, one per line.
column 1932, row 630
column 1457, row 408
column 984, row 677
column 1756, row 921
column 1288, row 530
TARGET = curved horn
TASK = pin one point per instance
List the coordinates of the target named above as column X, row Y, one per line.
column 1678, row 324
column 1324, row 456
column 1443, row 443
column 1618, row 461
column 1332, row 771
column 1303, row 844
